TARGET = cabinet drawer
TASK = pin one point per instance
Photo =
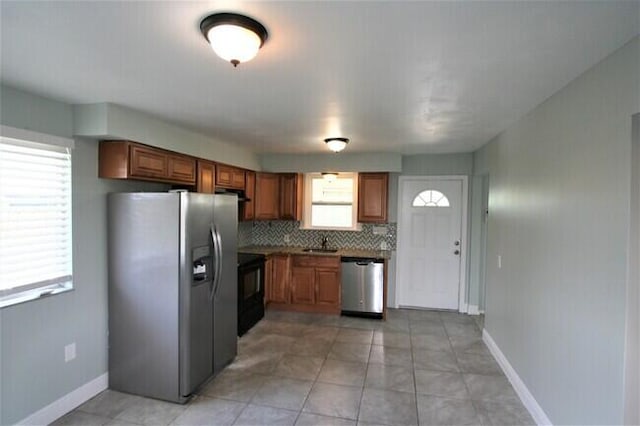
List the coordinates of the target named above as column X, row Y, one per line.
column 317, row 261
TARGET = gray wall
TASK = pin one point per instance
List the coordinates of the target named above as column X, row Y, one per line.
column 632, row 342
column 331, row 162
column 33, row 334
column 437, row 165
column 559, row 217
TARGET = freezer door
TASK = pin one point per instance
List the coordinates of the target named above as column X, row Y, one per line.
column 196, row 279
column 225, row 300
column 144, row 355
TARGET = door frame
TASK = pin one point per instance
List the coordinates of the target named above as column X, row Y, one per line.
column 464, row 235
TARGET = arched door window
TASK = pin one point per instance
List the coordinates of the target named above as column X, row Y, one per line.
column 430, row 198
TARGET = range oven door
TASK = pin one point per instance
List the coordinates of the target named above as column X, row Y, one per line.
column 250, row 295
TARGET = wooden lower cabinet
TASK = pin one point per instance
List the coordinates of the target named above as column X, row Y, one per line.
column 277, row 280
column 328, row 287
column 303, row 289
column 304, row 283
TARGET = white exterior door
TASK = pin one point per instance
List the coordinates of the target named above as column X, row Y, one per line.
column 430, row 230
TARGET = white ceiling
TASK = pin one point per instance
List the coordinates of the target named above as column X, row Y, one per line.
column 408, row 77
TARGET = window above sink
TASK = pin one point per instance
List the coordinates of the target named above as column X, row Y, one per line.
column 330, row 204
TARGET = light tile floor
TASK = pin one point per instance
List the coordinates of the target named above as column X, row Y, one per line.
column 418, row 367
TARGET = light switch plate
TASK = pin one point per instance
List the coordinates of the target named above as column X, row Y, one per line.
column 70, row 352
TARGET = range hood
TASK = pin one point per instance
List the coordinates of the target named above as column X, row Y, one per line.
column 239, row 192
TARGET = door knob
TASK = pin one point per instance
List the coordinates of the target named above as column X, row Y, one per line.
column 456, row 252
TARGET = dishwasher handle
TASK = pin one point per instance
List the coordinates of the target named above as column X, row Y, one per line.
column 362, row 260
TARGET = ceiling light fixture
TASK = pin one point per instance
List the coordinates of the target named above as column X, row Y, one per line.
column 235, row 38
column 329, row 176
column 336, row 144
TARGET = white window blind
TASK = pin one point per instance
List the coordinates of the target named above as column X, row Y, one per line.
column 35, row 220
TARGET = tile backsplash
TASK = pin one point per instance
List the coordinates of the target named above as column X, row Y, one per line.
column 272, row 233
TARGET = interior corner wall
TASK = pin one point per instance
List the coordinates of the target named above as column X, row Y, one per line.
column 33, row 334
column 632, row 339
column 559, row 217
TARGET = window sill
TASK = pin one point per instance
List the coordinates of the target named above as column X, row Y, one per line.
column 34, row 294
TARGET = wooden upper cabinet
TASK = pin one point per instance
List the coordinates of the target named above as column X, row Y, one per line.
column 131, row 160
column 248, row 207
column 373, row 195
column 229, row 177
column 148, row 162
column 267, row 196
column 206, row 177
column 291, row 200
column 181, row 168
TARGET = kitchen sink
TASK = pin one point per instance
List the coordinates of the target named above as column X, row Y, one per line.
column 319, row 250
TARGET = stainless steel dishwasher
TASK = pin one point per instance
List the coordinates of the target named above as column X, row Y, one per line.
column 362, row 286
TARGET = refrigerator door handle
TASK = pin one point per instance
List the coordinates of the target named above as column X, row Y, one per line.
column 218, row 260
column 214, row 243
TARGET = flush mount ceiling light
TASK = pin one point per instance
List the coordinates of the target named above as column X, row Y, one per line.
column 329, row 176
column 235, row 38
column 336, row 144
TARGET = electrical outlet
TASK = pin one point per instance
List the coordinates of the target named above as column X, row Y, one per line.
column 70, row 352
column 499, row 261
column 287, row 238
column 380, row 230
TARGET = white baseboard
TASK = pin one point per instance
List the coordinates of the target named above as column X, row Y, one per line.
column 521, row 389
column 473, row 310
column 70, row 401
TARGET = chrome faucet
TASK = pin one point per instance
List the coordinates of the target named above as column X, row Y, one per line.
column 325, row 240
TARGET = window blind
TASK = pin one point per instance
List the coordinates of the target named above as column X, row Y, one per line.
column 35, row 217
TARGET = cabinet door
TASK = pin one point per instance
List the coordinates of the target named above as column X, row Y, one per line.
column 238, row 179
column 268, row 278
column 291, row 196
column 327, row 286
column 279, row 289
column 249, row 191
column 229, row 177
column 206, row 177
column 303, row 285
column 266, row 199
column 181, row 169
column 372, row 197
column 148, row 162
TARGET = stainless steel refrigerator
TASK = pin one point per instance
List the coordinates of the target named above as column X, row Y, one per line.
column 172, row 291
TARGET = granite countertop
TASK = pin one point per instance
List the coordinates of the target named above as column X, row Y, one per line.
column 267, row 250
